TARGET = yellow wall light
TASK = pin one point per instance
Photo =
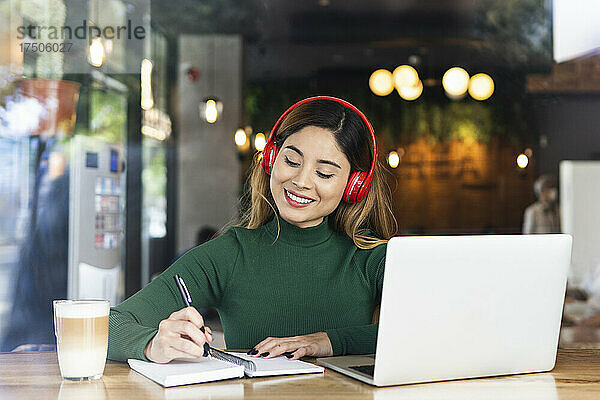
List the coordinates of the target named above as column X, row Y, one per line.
column 260, row 141
column 393, row 159
column 522, row 161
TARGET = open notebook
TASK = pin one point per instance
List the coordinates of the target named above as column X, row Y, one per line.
column 221, row 365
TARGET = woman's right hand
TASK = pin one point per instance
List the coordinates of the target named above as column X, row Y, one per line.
column 178, row 336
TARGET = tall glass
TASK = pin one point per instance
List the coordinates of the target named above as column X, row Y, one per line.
column 81, row 328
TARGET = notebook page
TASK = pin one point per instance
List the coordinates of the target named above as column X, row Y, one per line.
column 278, row 366
column 180, row 372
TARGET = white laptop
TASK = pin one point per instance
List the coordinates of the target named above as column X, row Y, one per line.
column 458, row 307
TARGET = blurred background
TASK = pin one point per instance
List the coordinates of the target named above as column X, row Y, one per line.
column 127, row 129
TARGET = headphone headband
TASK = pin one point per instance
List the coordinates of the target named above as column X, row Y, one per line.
column 359, row 183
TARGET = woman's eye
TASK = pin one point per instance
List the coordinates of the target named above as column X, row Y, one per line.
column 295, row 164
column 325, row 176
column 290, row 162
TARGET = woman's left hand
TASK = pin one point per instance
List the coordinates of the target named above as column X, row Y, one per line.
column 315, row 344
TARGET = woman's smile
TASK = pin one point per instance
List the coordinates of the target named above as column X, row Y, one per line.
column 296, row 200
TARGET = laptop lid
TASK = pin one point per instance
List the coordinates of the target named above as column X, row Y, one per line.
column 470, row 306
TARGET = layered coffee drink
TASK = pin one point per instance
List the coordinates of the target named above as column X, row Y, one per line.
column 81, row 328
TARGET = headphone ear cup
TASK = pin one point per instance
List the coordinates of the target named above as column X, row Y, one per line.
column 268, row 158
column 357, row 187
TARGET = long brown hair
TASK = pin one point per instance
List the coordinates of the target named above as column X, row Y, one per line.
column 368, row 223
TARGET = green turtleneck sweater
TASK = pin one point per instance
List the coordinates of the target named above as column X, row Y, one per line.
column 308, row 280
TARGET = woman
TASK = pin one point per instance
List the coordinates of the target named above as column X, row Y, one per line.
column 303, row 273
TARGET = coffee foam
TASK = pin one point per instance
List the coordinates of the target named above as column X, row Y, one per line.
column 82, row 309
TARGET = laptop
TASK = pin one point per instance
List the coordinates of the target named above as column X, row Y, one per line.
column 456, row 307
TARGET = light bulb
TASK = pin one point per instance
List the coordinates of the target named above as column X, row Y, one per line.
column 522, row 161
column 481, row 87
column 405, row 75
column 210, row 112
column 411, row 92
column 455, row 82
column 393, row 159
column 259, row 141
column 381, row 82
column 240, row 137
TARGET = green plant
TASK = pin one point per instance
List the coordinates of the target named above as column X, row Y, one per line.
column 434, row 118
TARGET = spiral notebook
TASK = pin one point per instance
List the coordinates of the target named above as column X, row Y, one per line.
column 221, row 365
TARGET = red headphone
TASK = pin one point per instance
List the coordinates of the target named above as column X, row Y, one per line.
column 359, row 181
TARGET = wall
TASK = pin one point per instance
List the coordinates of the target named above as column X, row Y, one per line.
column 571, row 125
column 207, row 165
column 461, row 187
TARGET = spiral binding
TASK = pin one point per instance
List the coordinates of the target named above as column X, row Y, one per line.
column 221, row 355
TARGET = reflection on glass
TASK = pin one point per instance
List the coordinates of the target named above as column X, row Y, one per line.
column 206, row 391
column 154, row 205
column 538, row 386
column 96, row 53
column 15, row 185
column 108, row 115
column 88, row 390
column 232, row 389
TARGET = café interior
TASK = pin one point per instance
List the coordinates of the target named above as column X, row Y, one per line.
column 128, row 129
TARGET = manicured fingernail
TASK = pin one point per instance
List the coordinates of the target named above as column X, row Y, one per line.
column 251, row 351
column 288, row 355
column 202, row 329
column 266, row 353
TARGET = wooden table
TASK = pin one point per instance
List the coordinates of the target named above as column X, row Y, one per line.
column 36, row 376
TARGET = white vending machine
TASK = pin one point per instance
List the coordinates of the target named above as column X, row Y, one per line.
column 96, row 220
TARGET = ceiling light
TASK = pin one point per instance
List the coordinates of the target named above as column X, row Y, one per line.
column 411, row 92
column 481, row 86
column 455, row 82
column 405, row 75
column 381, row 82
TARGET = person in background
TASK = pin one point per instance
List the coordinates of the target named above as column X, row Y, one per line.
column 41, row 273
column 302, row 274
column 542, row 216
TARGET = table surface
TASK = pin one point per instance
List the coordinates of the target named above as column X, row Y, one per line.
column 36, row 376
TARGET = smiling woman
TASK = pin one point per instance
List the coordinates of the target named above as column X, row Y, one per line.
column 334, row 134
column 313, row 242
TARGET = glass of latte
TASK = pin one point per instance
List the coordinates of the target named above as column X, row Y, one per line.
column 81, row 328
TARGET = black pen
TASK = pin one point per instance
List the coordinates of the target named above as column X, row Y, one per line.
column 187, row 300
